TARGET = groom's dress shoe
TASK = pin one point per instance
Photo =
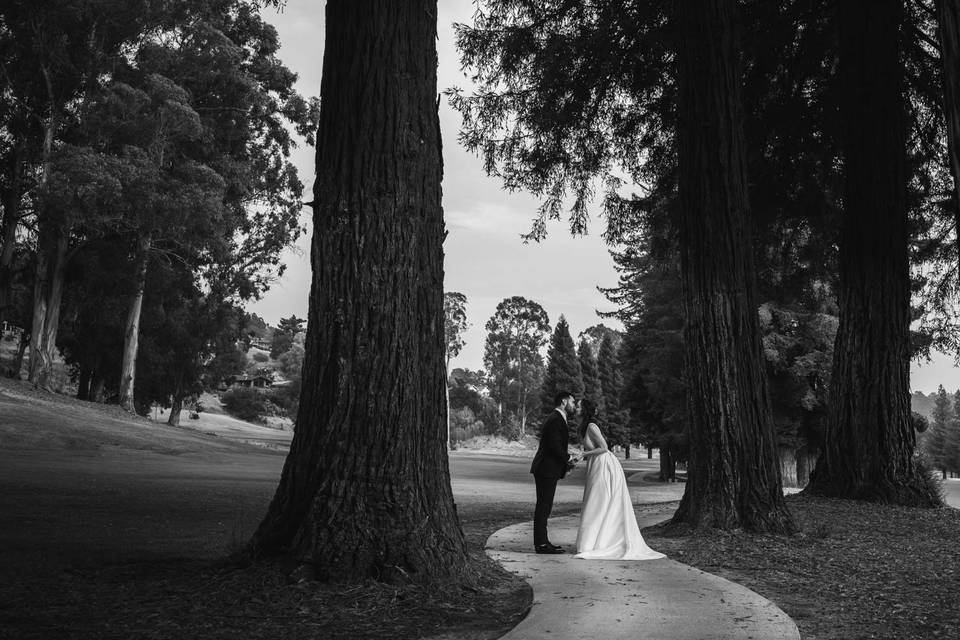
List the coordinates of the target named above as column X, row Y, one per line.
column 548, row 548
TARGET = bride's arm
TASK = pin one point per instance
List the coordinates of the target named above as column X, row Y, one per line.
column 593, row 433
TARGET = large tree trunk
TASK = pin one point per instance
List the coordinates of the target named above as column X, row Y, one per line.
column 52, row 244
column 733, row 472
column 869, row 438
column 47, row 295
column 948, row 18
column 131, row 335
column 365, row 490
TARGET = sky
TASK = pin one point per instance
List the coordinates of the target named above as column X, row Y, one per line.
column 485, row 258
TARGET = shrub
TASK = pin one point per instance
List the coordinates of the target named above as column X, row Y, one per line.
column 260, row 356
column 244, row 403
column 465, row 425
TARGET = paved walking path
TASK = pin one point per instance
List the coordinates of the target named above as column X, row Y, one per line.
column 643, row 600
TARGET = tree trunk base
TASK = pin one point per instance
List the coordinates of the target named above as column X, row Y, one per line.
column 914, row 490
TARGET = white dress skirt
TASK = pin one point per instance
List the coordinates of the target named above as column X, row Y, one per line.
column 608, row 526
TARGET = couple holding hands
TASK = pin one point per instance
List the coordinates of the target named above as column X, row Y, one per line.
column 608, row 527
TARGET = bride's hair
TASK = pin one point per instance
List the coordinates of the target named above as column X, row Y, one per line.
column 588, row 414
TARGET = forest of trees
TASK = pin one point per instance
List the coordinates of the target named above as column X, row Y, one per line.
column 147, row 191
column 940, row 441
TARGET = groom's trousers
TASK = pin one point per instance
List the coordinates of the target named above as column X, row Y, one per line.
column 546, row 488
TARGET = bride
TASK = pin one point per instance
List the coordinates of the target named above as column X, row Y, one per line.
column 608, row 526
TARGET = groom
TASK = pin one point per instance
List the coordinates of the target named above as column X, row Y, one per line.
column 550, row 465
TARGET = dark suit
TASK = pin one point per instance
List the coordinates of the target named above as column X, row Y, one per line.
column 549, row 466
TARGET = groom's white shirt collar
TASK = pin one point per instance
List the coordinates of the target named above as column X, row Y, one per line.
column 562, row 412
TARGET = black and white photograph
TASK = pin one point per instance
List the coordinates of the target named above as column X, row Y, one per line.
column 479, row 319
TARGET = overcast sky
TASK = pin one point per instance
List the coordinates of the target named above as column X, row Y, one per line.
column 485, row 258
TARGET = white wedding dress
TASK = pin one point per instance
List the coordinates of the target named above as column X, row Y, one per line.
column 608, row 526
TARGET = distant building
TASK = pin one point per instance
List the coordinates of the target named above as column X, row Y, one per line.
column 260, row 343
column 250, row 382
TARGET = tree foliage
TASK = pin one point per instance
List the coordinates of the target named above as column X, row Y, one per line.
column 454, row 322
column 515, row 334
column 563, row 371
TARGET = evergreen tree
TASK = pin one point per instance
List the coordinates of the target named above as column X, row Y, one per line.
column 936, row 441
column 590, row 374
column 614, row 418
column 563, row 368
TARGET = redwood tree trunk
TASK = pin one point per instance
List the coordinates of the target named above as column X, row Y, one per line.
column 733, row 471
column 131, row 335
column 869, row 438
column 365, row 489
column 948, row 19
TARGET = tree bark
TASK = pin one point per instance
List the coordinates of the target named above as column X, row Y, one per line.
column 668, row 465
column 47, row 296
column 948, row 19
column 131, row 335
column 97, row 385
column 83, row 384
column 733, row 471
column 365, row 490
column 52, row 243
column 869, row 438
column 176, row 407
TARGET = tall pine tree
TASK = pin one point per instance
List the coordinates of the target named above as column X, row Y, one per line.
column 591, row 375
column 563, row 368
column 611, row 385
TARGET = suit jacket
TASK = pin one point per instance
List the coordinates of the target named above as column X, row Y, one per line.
column 551, row 458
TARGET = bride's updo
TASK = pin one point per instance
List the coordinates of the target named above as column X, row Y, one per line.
column 588, row 414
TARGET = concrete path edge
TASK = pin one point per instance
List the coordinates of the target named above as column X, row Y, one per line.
column 651, row 599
